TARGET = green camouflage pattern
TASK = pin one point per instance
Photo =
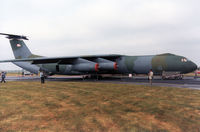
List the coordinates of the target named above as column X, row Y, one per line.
column 137, row 65
column 122, row 64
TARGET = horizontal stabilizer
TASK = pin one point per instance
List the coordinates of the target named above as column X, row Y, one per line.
column 12, row 36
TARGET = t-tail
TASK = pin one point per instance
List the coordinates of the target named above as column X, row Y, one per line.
column 21, row 51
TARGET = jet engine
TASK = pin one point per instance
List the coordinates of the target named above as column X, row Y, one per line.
column 106, row 65
column 86, row 67
column 111, row 66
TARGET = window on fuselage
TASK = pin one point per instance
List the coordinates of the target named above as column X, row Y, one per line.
column 184, row 60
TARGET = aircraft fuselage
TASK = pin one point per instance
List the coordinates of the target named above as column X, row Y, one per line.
column 128, row 64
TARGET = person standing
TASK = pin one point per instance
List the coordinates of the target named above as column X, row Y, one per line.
column 42, row 77
column 150, row 76
column 3, row 76
column 22, row 73
column 0, row 74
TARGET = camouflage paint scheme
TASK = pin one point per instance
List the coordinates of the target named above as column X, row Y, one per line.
column 97, row 64
column 158, row 63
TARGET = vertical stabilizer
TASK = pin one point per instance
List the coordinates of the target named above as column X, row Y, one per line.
column 20, row 50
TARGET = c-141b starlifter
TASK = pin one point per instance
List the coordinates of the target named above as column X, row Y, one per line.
column 96, row 64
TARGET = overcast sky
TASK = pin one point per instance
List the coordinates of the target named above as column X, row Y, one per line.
column 82, row 27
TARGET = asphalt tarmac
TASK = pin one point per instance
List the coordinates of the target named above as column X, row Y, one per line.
column 186, row 82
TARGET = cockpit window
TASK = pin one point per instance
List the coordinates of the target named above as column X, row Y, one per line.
column 184, row 60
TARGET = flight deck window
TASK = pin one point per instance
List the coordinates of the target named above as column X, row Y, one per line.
column 184, row 60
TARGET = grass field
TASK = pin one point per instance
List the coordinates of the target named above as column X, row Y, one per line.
column 70, row 106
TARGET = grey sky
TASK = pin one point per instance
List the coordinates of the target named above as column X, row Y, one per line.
column 79, row 27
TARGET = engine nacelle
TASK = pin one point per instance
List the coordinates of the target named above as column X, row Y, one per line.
column 111, row 66
column 86, row 67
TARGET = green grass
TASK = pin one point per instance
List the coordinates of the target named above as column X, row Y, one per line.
column 81, row 106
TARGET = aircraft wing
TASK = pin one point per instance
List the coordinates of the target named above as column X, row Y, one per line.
column 63, row 60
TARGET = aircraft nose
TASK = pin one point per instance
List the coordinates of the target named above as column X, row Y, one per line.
column 193, row 66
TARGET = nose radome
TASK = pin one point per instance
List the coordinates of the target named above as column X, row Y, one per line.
column 193, row 66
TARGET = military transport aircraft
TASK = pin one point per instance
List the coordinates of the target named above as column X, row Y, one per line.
column 96, row 64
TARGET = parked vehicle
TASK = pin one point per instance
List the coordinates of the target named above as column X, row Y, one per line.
column 172, row 75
